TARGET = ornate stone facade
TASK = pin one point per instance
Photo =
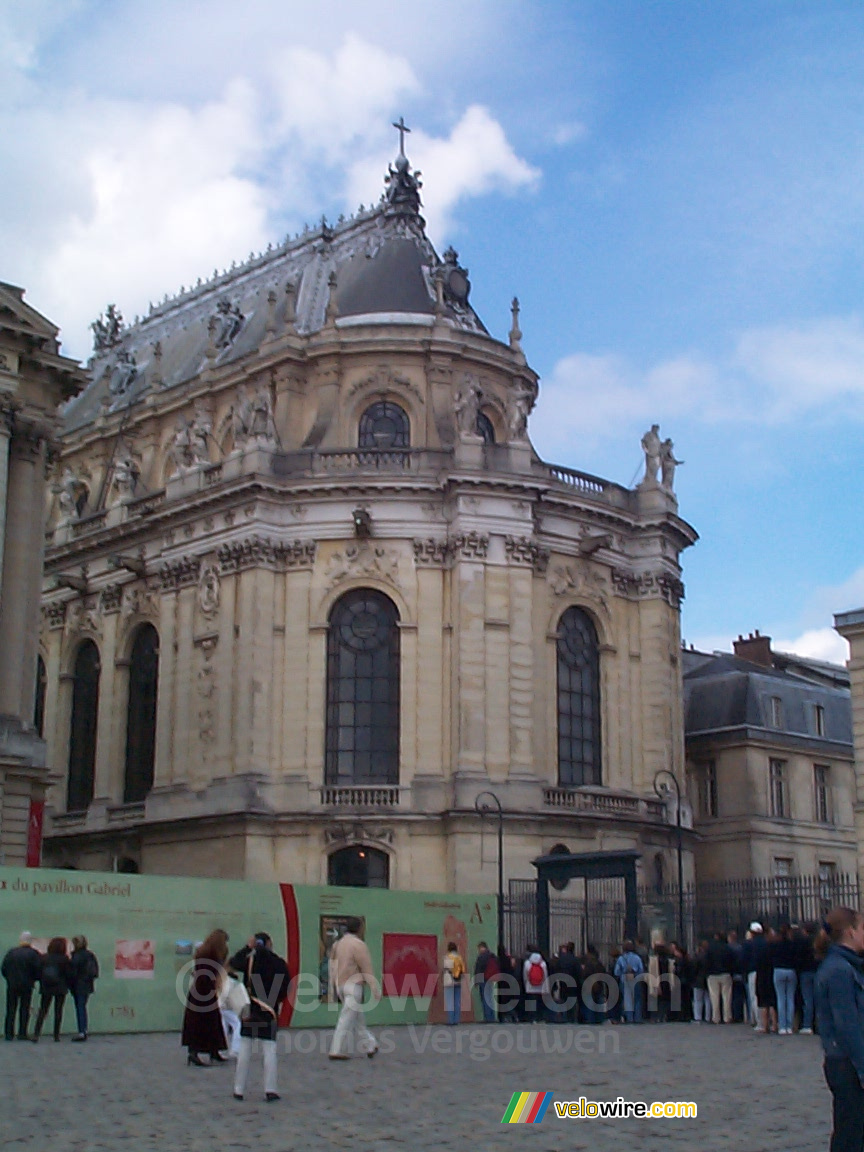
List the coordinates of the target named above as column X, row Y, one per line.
column 34, row 379
column 388, row 470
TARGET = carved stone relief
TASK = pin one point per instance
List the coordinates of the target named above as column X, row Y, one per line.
column 522, row 550
column 579, row 579
column 363, row 558
column 208, row 590
column 259, row 552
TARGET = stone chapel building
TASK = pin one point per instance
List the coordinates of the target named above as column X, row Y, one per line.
column 310, row 590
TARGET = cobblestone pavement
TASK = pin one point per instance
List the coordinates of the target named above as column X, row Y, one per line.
column 428, row 1088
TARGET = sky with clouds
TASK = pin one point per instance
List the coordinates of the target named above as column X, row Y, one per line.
column 674, row 191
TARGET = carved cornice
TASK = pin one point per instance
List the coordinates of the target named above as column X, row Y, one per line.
column 260, row 552
column 523, row 550
column 471, row 545
column 54, row 614
column 180, row 573
column 648, row 585
column 111, row 598
column 432, row 553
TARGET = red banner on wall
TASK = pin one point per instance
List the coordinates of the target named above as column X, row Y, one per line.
column 34, row 833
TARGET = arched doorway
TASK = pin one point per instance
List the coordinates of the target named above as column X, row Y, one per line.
column 358, row 866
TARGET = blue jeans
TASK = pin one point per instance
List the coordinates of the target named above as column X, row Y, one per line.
column 453, row 1003
column 80, row 999
column 487, row 999
column 785, row 982
column 807, row 980
column 631, row 995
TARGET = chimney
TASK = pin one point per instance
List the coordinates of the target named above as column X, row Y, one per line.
column 755, row 648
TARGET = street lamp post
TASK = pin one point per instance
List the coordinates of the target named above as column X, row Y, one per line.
column 661, row 787
column 488, row 804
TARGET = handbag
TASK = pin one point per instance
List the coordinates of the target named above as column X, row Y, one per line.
column 236, row 997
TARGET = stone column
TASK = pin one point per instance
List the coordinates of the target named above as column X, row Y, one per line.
column 5, row 434
column 20, row 592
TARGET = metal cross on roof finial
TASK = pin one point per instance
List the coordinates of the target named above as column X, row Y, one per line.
column 402, row 128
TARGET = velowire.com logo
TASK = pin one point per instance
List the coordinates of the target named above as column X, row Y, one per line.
column 526, row 1108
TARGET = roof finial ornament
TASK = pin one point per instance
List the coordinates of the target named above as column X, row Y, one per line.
column 401, row 127
column 515, row 331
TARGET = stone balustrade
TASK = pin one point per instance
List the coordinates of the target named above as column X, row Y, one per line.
column 601, row 802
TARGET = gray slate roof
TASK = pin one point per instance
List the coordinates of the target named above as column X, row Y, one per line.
column 724, row 692
column 383, row 263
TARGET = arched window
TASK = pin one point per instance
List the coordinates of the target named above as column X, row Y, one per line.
column 359, row 867
column 362, row 742
column 39, row 702
column 485, row 428
column 82, row 737
column 141, row 715
column 384, row 425
column 578, row 700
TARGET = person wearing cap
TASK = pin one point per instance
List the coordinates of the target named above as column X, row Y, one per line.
column 751, row 951
column 20, row 969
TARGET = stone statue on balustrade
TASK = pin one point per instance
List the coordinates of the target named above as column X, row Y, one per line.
column 668, row 463
column 126, row 473
column 190, row 446
column 72, row 495
column 466, row 405
column 252, row 418
column 518, row 411
column 652, row 447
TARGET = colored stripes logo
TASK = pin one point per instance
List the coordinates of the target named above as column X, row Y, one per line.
column 526, row 1108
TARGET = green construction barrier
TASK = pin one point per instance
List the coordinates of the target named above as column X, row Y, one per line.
column 144, row 929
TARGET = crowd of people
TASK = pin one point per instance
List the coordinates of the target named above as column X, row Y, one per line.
column 59, row 971
column 766, row 980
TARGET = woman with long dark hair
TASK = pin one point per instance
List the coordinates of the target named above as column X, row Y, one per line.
column 54, row 985
column 840, row 1016
column 202, row 1020
column 83, row 971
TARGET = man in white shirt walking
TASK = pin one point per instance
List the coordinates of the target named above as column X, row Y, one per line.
column 350, row 972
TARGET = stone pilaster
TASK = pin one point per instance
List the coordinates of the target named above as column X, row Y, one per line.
column 22, row 576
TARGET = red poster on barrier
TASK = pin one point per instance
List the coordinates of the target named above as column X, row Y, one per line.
column 410, row 964
column 34, row 833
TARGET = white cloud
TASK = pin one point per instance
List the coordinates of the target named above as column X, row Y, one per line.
column 772, row 376
column 473, row 160
column 125, row 199
column 817, row 644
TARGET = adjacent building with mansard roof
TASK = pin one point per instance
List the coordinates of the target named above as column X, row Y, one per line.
column 310, row 589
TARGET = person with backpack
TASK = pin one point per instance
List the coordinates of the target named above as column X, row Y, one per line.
column 452, row 971
column 83, row 971
column 628, row 967
column 53, row 985
column 536, row 984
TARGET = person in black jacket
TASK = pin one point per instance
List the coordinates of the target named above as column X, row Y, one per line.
column 267, row 981
column 83, row 971
column 20, row 970
column 54, row 986
column 719, row 968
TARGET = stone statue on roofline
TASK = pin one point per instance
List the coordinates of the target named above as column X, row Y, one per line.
column 126, row 473
column 107, row 329
column 660, row 461
column 226, row 324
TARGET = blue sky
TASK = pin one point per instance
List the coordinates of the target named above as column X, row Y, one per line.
column 673, row 190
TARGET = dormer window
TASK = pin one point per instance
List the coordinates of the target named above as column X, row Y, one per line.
column 819, row 719
column 384, row 425
column 776, row 712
